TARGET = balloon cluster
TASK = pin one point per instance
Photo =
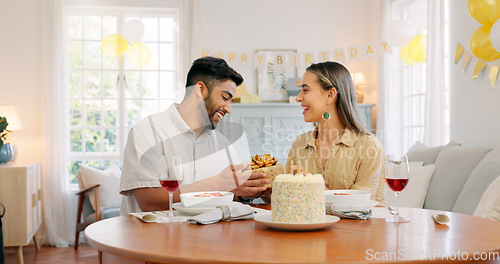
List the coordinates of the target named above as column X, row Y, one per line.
column 409, row 36
column 485, row 41
column 115, row 45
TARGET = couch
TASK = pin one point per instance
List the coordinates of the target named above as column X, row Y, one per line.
column 453, row 178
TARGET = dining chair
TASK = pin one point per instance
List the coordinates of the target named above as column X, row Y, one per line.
column 93, row 182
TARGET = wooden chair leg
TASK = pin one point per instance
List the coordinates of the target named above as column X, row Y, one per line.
column 37, row 243
column 77, row 239
column 78, row 219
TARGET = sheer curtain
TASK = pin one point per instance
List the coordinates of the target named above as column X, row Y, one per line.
column 389, row 102
column 190, row 32
column 57, row 206
column 435, row 97
column 390, row 117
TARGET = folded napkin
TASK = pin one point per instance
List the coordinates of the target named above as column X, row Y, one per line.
column 354, row 214
column 235, row 211
column 151, row 217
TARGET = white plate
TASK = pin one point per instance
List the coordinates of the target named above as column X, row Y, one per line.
column 190, row 210
column 189, row 200
column 357, row 207
column 266, row 219
column 347, row 196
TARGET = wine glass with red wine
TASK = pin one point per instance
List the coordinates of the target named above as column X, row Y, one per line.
column 171, row 175
column 397, row 178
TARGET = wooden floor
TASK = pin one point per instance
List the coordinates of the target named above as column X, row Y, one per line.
column 54, row 255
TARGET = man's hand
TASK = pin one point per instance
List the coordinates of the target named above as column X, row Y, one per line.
column 235, row 178
column 252, row 187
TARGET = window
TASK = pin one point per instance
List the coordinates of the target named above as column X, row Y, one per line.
column 413, row 86
column 413, row 104
column 107, row 96
column 412, row 81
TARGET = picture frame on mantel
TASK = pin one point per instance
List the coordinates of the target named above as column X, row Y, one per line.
column 274, row 68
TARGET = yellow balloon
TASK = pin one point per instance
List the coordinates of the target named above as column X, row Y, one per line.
column 114, row 45
column 480, row 45
column 138, row 54
column 406, row 57
column 417, row 48
column 485, row 12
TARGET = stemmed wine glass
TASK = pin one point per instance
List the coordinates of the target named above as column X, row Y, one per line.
column 397, row 178
column 171, row 175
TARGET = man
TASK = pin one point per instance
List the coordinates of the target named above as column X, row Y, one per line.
column 188, row 130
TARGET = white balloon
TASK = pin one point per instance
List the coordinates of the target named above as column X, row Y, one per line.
column 398, row 33
column 495, row 35
column 417, row 15
column 133, row 31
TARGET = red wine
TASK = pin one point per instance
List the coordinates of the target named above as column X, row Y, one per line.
column 397, row 185
column 170, row 185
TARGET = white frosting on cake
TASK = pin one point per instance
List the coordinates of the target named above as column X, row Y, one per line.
column 298, row 198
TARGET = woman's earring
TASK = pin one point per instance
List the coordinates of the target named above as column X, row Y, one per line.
column 326, row 115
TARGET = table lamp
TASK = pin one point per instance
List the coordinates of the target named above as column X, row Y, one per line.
column 359, row 81
column 12, row 116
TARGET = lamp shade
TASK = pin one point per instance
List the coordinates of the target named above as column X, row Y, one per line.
column 359, row 80
column 10, row 112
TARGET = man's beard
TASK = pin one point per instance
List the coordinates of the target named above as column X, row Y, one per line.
column 211, row 112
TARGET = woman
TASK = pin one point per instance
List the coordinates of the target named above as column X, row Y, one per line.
column 339, row 148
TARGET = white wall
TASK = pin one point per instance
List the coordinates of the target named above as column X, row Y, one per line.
column 475, row 107
column 20, row 73
column 244, row 26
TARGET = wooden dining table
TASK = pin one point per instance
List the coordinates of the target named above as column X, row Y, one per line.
column 465, row 238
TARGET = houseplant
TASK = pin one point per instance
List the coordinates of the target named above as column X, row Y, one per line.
column 5, row 148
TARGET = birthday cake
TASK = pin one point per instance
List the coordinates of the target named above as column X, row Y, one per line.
column 298, row 198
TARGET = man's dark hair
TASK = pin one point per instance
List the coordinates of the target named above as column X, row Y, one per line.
column 212, row 71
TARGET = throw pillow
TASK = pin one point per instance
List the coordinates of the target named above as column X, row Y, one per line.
column 422, row 152
column 453, row 167
column 480, row 178
column 109, row 178
column 414, row 193
column 489, row 206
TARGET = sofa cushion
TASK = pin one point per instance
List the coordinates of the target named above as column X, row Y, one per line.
column 453, row 167
column 414, row 193
column 109, row 178
column 489, row 205
column 481, row 177
column 422, row 152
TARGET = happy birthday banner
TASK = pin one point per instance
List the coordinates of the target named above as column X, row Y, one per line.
column 291, row 57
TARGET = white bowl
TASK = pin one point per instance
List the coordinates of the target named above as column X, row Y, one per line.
column 347, row 197
column 192, row 200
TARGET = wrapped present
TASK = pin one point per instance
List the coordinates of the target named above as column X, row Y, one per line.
column 268, row 165
column 248, row 99
column 242, row 96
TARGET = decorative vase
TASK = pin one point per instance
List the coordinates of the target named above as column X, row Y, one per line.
column 6, row 153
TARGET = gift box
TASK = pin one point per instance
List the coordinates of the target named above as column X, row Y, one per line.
column 241, row 96
column 248, row 99
column 271, row 172
column 268, row 165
